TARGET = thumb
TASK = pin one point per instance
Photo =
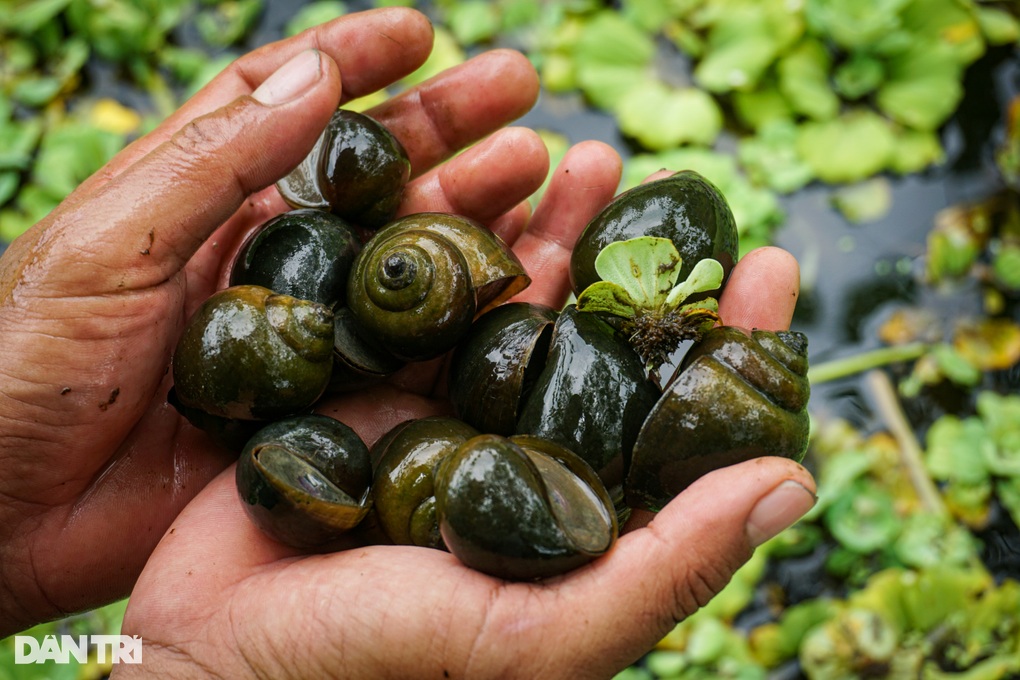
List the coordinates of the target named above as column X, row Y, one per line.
column 147, row 222
column 662, row 573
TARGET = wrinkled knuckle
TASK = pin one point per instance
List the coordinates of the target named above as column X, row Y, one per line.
column 699, row 585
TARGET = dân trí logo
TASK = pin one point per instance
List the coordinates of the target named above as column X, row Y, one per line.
column 62, row 648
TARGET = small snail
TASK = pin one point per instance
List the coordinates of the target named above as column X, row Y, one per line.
column 522, row 508
column 305, row 480
column 736, row 396
column 250, row 354
column 404, row 463
column 357, row 170
column 420, row 280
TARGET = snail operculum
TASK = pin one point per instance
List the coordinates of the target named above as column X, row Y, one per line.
column 250, row 354
column 522, row 508
column 305, row 480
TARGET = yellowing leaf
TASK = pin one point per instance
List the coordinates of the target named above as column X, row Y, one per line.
column 111, row 116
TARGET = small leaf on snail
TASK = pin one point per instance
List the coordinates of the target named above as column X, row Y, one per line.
column 522, row 509
column 305, row 480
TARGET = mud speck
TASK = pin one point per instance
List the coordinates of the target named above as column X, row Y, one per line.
column 109, row 402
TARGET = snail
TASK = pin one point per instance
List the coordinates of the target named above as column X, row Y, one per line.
column 685, row 208
column 250, row 354
column 305, row 480
column 357, row 170
column 303, row 253
column 522, row 508
column 419, row 282
column 404, row 464
column 736, row 395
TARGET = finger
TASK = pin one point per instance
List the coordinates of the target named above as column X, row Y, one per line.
column 762, row 290
column 146, row 223
column 583, row 183
column 661, row 574
column 485, row 181
column 460, row 106
column 372, row 50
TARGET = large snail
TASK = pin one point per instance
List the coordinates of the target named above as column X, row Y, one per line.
column 357, row 170
column 736, row 396
column 420, row 281
column 251, row 354
column 522, row 508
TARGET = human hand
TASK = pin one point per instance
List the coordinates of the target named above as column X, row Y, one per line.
column 92, row 299
column 219, row 598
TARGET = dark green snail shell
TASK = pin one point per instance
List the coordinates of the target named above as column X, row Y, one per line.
column 591, row 397
column 305, row 480
column 404, row 464
column 303, row 253
column 419, row 282
column 357, row 170
column 685, row 208
column 250, row 354
column 493, row 368
column 737, row 395
column 522, row 508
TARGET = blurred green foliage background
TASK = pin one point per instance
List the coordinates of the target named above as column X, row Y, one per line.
column 908, row 567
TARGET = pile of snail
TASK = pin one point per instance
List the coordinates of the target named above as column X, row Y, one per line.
column 560, row 426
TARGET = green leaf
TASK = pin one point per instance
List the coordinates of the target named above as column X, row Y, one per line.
column 864, row 520
column 854, row 24
column 607, row 297
column 707, row 275
column 608, row 38
column 646, row 268
column 473, row 21
column 606, row 86
column 228, row 22
column 955, row 366
column 659, row 117
column 762, row 107
column 859, row 75
column 915, row 150
column 997, row 24
column 846, row 149
column 923, row 87
column 958, row 450
column 804, row 80
column 1006, row 267
column 314, row 14
column 770, row 158
column 28, row 17
column 867, row 201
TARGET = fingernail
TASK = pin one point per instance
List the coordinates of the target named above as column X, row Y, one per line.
column 783, row 506
column 291, row 80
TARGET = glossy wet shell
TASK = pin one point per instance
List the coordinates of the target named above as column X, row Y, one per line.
column 305, row 480
column 522, row 508
column 357, row 170
column 591, row 397
column 496, row 364
column 250, row 354
column 303, row 253
column 685, row 208
column 405, row 460
column 420, row 281
column 738, row 395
